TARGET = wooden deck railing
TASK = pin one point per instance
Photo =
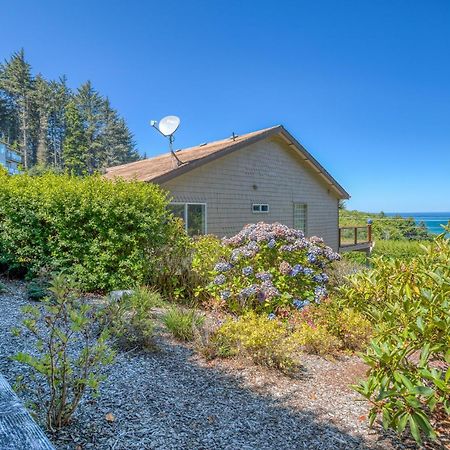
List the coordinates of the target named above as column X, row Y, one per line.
column 355, row 236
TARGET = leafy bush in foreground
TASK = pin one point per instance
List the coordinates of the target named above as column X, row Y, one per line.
column 104, row 233
column 271, row 267
column 409, row 357
column 70, row 352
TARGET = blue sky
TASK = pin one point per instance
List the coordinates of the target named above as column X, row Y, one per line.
column 363, row 84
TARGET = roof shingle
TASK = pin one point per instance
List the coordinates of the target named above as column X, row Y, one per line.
column 153, row 168
column 164, row 167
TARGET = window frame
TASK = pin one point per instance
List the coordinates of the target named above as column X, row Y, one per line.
column 185, row 213
column 260, row 211
column 305, row 205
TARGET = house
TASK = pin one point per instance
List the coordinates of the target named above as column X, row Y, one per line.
column 9, row 158
column 265, row 176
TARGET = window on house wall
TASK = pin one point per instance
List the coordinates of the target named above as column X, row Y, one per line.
column 260, row 207
column 300, row 216
column 193, row 215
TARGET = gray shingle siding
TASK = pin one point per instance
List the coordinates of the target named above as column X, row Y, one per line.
column 281, row 178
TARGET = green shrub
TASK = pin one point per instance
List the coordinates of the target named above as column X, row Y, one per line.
column 174, row 278
column 182, row 323
column 267, row 342
column 409, row 356
column 106, row 234
column 70, row 352
column 350, row 327
column 398, row 249
column 386, row 228
column 317, row 340
column 129, row 318
column 37, row 290
column 207, row 250
column 271, row 267
column 340, row 270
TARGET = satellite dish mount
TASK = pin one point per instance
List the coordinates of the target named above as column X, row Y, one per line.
column 167, row 127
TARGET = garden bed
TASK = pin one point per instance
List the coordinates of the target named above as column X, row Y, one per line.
column 172, row 398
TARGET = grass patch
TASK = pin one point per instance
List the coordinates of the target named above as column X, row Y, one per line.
column 182, row 323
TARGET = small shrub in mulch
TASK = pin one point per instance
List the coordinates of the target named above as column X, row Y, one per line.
column 129, row 320
column 183, row 323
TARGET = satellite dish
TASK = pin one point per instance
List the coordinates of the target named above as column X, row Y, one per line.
column 168, row 125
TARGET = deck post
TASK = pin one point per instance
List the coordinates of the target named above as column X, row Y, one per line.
column 356, row 235
column 369, row 232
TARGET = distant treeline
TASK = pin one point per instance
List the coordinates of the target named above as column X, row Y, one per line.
column 51, row 125
column 386, row 228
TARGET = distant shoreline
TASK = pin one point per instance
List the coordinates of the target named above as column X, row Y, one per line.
column 432, row 220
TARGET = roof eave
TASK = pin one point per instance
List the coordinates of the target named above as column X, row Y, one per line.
column 320, row 170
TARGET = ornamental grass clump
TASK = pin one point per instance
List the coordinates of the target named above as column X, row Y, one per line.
column 271, row 268
column 183, row 323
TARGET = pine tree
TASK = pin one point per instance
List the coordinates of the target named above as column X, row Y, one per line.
column 75, row 146
column 116, row 139
column 61, row 95
column 89, row 104
column 42, row 101
column 52, row 126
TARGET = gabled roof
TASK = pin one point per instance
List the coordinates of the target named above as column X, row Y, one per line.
column 164, row 167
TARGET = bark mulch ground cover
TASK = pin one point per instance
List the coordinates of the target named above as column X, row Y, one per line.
column 174, row 399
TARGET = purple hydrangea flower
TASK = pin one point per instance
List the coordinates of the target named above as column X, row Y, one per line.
column 224, row 295
column 319, row 293
column 299, row 304
column 296, row 270
column 222, row 267
column 249, row 291
column 264, row 276
column 247, row 270
column 271, row 243
column 220, row 279
column 308, row 271
column 312, row 258
column 271, row 316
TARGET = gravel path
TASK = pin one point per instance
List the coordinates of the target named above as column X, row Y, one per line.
column 172, row 399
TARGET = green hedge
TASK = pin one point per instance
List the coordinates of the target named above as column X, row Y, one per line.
column 105, row 233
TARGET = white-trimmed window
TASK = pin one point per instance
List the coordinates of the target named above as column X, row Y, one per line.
column 193, row 215
column 260, row 208
column 300, row 216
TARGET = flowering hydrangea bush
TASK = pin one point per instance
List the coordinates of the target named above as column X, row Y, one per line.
column 271, row 267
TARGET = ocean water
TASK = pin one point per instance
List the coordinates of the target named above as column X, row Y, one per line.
column 433, row 220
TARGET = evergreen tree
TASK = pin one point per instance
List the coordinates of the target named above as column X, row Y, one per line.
column 116, row 139
column 75, row 146
column 43, row 106
column 61, row 96
column 89, row 104
column 54, row 127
